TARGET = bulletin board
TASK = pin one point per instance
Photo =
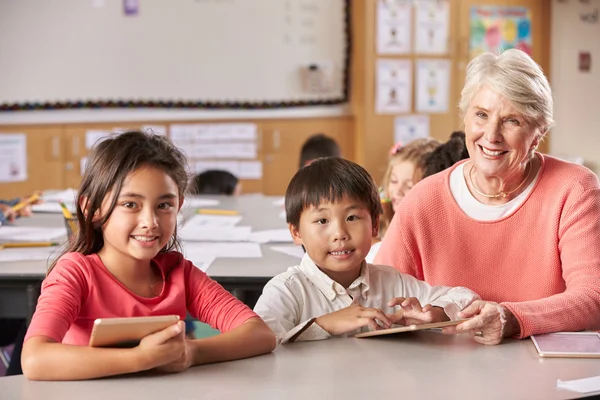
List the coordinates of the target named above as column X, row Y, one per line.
column 215, row 54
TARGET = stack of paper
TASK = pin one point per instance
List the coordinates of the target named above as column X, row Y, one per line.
column 294, row 251
column 30, row 234
column 213, row 221
column 215, row 234
column 68, row 195
column 202, row 250
column 29, row 254
column 272, row 236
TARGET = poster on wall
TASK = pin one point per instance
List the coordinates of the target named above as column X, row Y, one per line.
column 432, row 22
column 432, row 85
column 498, row 28
column 394, row 86
column 13, row 157
column 393, row 26
column 410, row 127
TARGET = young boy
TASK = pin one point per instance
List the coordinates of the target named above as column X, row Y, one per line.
column 332, row 208
column 318, row 146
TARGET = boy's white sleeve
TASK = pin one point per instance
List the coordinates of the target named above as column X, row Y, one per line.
column 451, row 299
column 281, row 308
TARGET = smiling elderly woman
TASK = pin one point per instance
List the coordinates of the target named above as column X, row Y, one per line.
column 520, row 228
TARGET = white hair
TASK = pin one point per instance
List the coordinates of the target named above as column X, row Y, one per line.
column 517, row 78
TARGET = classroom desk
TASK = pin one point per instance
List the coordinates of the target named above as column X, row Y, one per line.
column 20, row 281
column 424, row 365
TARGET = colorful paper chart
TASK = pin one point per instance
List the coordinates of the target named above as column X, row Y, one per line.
column 497, row 28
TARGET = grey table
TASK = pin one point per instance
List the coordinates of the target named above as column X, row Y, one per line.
column 20, row 281
column 424, row 365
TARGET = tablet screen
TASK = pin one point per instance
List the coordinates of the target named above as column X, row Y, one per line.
column 568, row 343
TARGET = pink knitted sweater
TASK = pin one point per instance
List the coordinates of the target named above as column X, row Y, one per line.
column 542, row 262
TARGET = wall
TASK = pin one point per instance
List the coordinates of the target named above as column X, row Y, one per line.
column 575, row 29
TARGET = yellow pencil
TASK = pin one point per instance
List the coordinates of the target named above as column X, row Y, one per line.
column 23, row 204
column 27, row 244
column 217, row 212
column 67, row 214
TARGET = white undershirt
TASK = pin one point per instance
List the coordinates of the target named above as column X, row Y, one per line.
column 476, row 210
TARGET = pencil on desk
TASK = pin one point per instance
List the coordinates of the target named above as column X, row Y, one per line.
column 23, row 204
column 217, row 212
column 27, row 244
column 67, row 214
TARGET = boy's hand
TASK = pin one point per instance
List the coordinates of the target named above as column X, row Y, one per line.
column 351, row 318
column 163, row 347
column 411, row 312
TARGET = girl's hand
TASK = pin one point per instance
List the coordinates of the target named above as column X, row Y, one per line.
column 411, row 312
column 162, row 347
column 8, row 212
column 489, row 322
column 351, row 318
column 183, row 362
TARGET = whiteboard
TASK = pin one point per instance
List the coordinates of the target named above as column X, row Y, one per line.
column 182, row 53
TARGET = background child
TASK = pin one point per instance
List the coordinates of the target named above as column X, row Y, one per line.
column 333, row 209
column 122, row 264
column 216, row 181
column 318, row 146
column 445, row 155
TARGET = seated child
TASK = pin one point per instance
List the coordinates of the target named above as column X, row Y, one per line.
column 318, row 146
column 332, row 208
column 123, row 263
column 445, row 155
column 216, row 181
column 404, row 170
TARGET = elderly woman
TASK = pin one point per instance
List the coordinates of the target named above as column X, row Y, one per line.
column 520, row 228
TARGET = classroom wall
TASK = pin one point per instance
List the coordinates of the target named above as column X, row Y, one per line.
column 576, row 29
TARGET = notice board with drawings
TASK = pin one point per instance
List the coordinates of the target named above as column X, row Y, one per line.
column 185, row 53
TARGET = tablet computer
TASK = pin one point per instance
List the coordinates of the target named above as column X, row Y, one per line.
column 127, row 332
column 568, row 344
column 409, row 328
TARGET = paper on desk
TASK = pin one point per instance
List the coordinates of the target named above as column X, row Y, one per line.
column 585, row 385
column 279, row 202
column 51, row 207
column 197, row 202
column 290, row 250
column 272, row 236
column 67, row 195
column 222, row 249
column 30, row 234
column 201, row 261
column 29, row 254
column 215, row 234
column 213, row 220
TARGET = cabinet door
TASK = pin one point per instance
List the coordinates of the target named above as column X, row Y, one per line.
column 540, row 35
column 44, row 161
column 283, row 139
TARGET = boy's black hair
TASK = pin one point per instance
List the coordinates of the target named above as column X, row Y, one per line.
column 446, row 155
column 329, row 180
column 318, row 146
column 214, row 181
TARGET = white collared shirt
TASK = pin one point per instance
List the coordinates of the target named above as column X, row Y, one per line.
column 292, row 300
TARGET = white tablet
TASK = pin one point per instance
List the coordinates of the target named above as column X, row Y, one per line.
column 568, row 344
column 127, row 332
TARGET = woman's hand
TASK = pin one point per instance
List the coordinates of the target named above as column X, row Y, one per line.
column 489, row 322
column 411, row 312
